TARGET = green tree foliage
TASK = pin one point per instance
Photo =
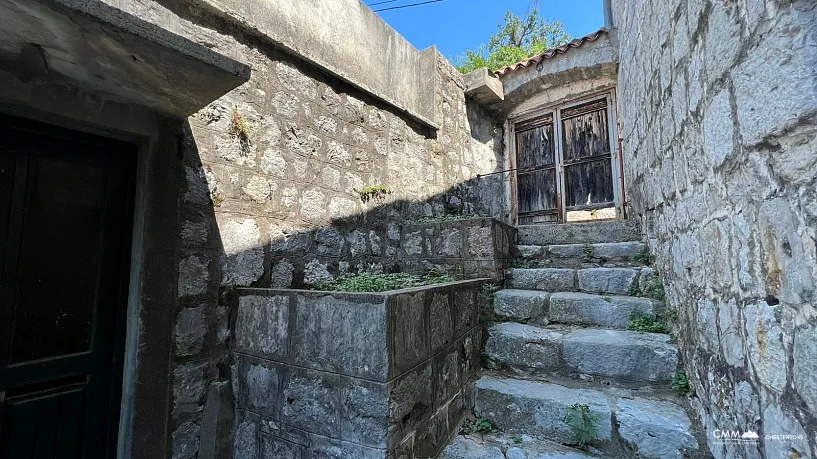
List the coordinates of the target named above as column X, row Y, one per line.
column 517, row 38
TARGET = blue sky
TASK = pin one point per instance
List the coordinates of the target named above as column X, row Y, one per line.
column 457, row 25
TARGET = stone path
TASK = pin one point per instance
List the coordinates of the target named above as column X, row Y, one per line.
column 561, row 339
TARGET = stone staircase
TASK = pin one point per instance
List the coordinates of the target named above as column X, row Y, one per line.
column 561, row 341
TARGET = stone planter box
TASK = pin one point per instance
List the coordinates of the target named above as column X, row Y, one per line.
column 477, row 247
column 357, row 375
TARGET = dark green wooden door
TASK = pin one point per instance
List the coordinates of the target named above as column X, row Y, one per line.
column 65, row 218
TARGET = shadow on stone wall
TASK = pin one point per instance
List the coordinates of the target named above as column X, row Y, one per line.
column 225, row 248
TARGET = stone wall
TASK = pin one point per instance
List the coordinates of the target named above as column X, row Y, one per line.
column 719, row 101
column 353, row 375
column 270, row 193
column 474, row 247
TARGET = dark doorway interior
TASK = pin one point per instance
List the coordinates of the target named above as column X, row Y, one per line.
column 66, row 206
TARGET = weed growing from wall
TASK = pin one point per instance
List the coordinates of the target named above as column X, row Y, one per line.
column 680, row 383
column 479, row 424
column 240, row 128
column 373, row 193
column 582, row 422
column 648, row 324
column 587, row 251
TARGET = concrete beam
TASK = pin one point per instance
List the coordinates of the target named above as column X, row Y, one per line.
column 483, row 87
column 103, row 50
column 346, row 39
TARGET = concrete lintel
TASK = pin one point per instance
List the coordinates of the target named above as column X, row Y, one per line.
column 101, row 49
column 348, row 40
column 483, row 87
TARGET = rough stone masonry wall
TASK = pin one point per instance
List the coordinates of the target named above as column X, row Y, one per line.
column 280, row 207
column 719, row 101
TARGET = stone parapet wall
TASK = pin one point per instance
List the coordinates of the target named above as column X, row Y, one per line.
column 369, row 375
column 477, row 247
column 718, row 102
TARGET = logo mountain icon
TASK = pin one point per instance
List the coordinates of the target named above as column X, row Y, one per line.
column 749, row 435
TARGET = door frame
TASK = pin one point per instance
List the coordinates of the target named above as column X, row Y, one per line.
column 131, row 170
column 556, row 109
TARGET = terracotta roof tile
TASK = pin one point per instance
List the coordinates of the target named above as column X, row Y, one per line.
column 552, row 52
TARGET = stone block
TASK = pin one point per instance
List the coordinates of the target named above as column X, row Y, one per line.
column 276, row 448
column 410, row 402
column 659, row 429
column 256, row 385
column 432, row 436
column 523, row 347
column 616, row 281
column 522, row 305
column 466, row 448
column 548, row 279
column 310, row 400
column 450, row 243
column 344, row 334
column 262, row 326
column 409, row 338
column 190, row 330
column 323, row 447
column 440, row 321
column 479, row 242
column 538, row 408
column 621, row 354
column 465, row 310
column 446, row 368
column 594, row 310
column 364, row 412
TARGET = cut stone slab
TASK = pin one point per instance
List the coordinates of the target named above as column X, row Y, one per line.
column 606, row 250
column 660, row 430
column 466, row 448
column 607, row 280
column 621, row 354
column 523, row 347
column 521, row 305
column 481, row 446
column 579, row 233
column 586, row 309
column 538, row 408
column 548, row 279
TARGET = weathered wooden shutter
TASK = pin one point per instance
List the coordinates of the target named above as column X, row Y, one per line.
column 536, row 171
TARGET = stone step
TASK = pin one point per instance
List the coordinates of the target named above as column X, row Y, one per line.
column 655, row 428
column 579, row 233
column 498, row 446
column 608, row 254
column 571, row 308
column 616, row 281
column 559, row 350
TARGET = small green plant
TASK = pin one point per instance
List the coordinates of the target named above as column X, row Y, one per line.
column 655, row 289
column 477, row 425
column 634, row 290
column 373, row 192
column 587, row 251
column 516, row 438
column 368, row 282
column 643, row 256
column 680, row 383
column 582, row 422
column 239, row 126
column 606, row 298
column 648, row 324
column 488, row 291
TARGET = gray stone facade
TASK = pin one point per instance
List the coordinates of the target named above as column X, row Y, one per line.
column 718, row 106
column 389, row 375
column 278, row 204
